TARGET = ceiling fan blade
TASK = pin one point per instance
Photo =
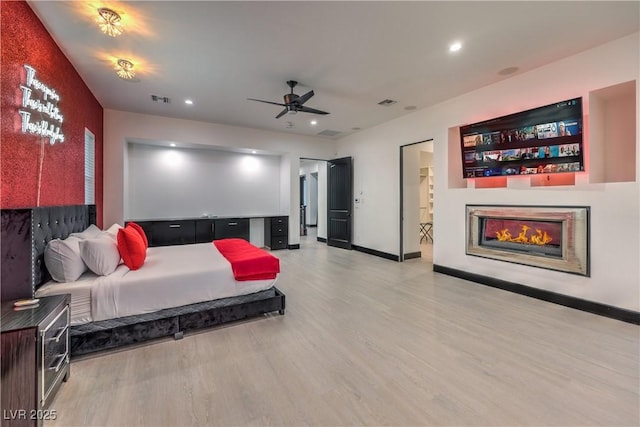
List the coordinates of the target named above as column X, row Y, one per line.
column 304, row 98
column 311, row 110
column 267, row 102
column 282, row 113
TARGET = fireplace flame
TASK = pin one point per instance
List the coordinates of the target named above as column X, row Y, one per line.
column 541, row 237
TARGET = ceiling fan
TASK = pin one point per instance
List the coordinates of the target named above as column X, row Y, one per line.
column 293, row 103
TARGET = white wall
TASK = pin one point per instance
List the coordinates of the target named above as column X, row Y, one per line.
column 167, row 182
column 122, row 127
column 615, row 210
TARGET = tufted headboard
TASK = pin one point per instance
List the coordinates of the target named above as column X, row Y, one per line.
column 25, row 234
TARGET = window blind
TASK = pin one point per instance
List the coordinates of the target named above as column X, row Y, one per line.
column 89, row 167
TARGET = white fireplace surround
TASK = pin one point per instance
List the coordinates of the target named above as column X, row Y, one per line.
column 575, row 235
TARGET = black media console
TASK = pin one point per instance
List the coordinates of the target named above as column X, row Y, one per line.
column 165, row 232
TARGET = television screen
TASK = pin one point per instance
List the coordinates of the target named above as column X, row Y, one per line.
column 541, row 140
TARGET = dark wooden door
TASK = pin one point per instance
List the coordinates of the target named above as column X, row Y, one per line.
column 339, row 202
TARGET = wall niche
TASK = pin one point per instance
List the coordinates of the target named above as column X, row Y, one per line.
column 612, row 125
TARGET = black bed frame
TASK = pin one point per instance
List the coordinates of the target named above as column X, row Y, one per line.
column 26, row 232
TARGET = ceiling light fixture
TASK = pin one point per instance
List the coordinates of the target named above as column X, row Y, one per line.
column 188, row 102
column 125, row 69
column 109, row 22
column 454, row 47
column 253, row 151
column 172, row 144
column 314, row 122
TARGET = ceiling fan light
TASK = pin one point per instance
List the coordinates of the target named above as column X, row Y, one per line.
column 109, row 22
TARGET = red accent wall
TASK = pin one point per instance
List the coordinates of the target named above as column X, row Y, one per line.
column 60, row 179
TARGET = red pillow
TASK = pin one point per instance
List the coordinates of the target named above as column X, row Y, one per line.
column 141, row 232
column 131, row 247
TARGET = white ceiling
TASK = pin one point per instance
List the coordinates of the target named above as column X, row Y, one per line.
column 352, row 54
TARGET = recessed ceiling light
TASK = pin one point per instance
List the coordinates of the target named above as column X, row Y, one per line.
column 314, row 122
column 454, row 47
column 253, row 151
column 188, row 102
column 172, row 144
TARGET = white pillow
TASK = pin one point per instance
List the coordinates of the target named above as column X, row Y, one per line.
column 88, row 233
column 113, row 231
column 63, row 260
column 100, row 254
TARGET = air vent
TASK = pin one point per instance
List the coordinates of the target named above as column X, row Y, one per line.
column 328, row 132
column 387, row 102
column 161, row 99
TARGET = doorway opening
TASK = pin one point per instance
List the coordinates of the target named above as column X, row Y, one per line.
column 417, row 200
column 313, row 199
column 330, row 203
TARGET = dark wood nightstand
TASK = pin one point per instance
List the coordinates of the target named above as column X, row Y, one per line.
column 35, row 359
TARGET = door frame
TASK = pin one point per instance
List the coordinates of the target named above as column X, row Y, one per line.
column 401, row 216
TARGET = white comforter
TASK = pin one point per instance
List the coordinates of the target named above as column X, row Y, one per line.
column 171, row 276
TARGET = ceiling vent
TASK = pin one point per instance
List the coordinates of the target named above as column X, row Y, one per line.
column 387, row 102
column 328, row 132
column 161, row 99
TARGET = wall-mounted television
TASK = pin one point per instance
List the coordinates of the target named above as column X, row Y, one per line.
column 541, row 140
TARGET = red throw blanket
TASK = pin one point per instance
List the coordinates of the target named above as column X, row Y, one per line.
column 248, row 262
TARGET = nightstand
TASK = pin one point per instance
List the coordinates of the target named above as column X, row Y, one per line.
column 35, row 359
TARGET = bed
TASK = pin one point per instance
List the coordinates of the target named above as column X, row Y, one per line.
column 105, row 316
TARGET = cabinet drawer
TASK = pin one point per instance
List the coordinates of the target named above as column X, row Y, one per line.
column 280, row 220
column 55, row 351
column 279, row 229
column 173, row 233
column 279, row 242
column 232, row 228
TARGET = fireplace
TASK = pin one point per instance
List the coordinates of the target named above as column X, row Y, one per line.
column 555, row 238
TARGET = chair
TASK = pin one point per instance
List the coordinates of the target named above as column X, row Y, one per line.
column 426, row 231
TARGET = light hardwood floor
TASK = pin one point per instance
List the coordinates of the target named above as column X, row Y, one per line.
column 366, row 341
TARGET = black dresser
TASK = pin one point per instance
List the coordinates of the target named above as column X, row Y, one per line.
column 35, row 359
column 165, row 232
column 276, row 232
column 178, row 232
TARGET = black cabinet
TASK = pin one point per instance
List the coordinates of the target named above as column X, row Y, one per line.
column 231, row 228
column 165, row 233
column 276, row 232
column 204, row 230
column 178, row 232
column 35, row 359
